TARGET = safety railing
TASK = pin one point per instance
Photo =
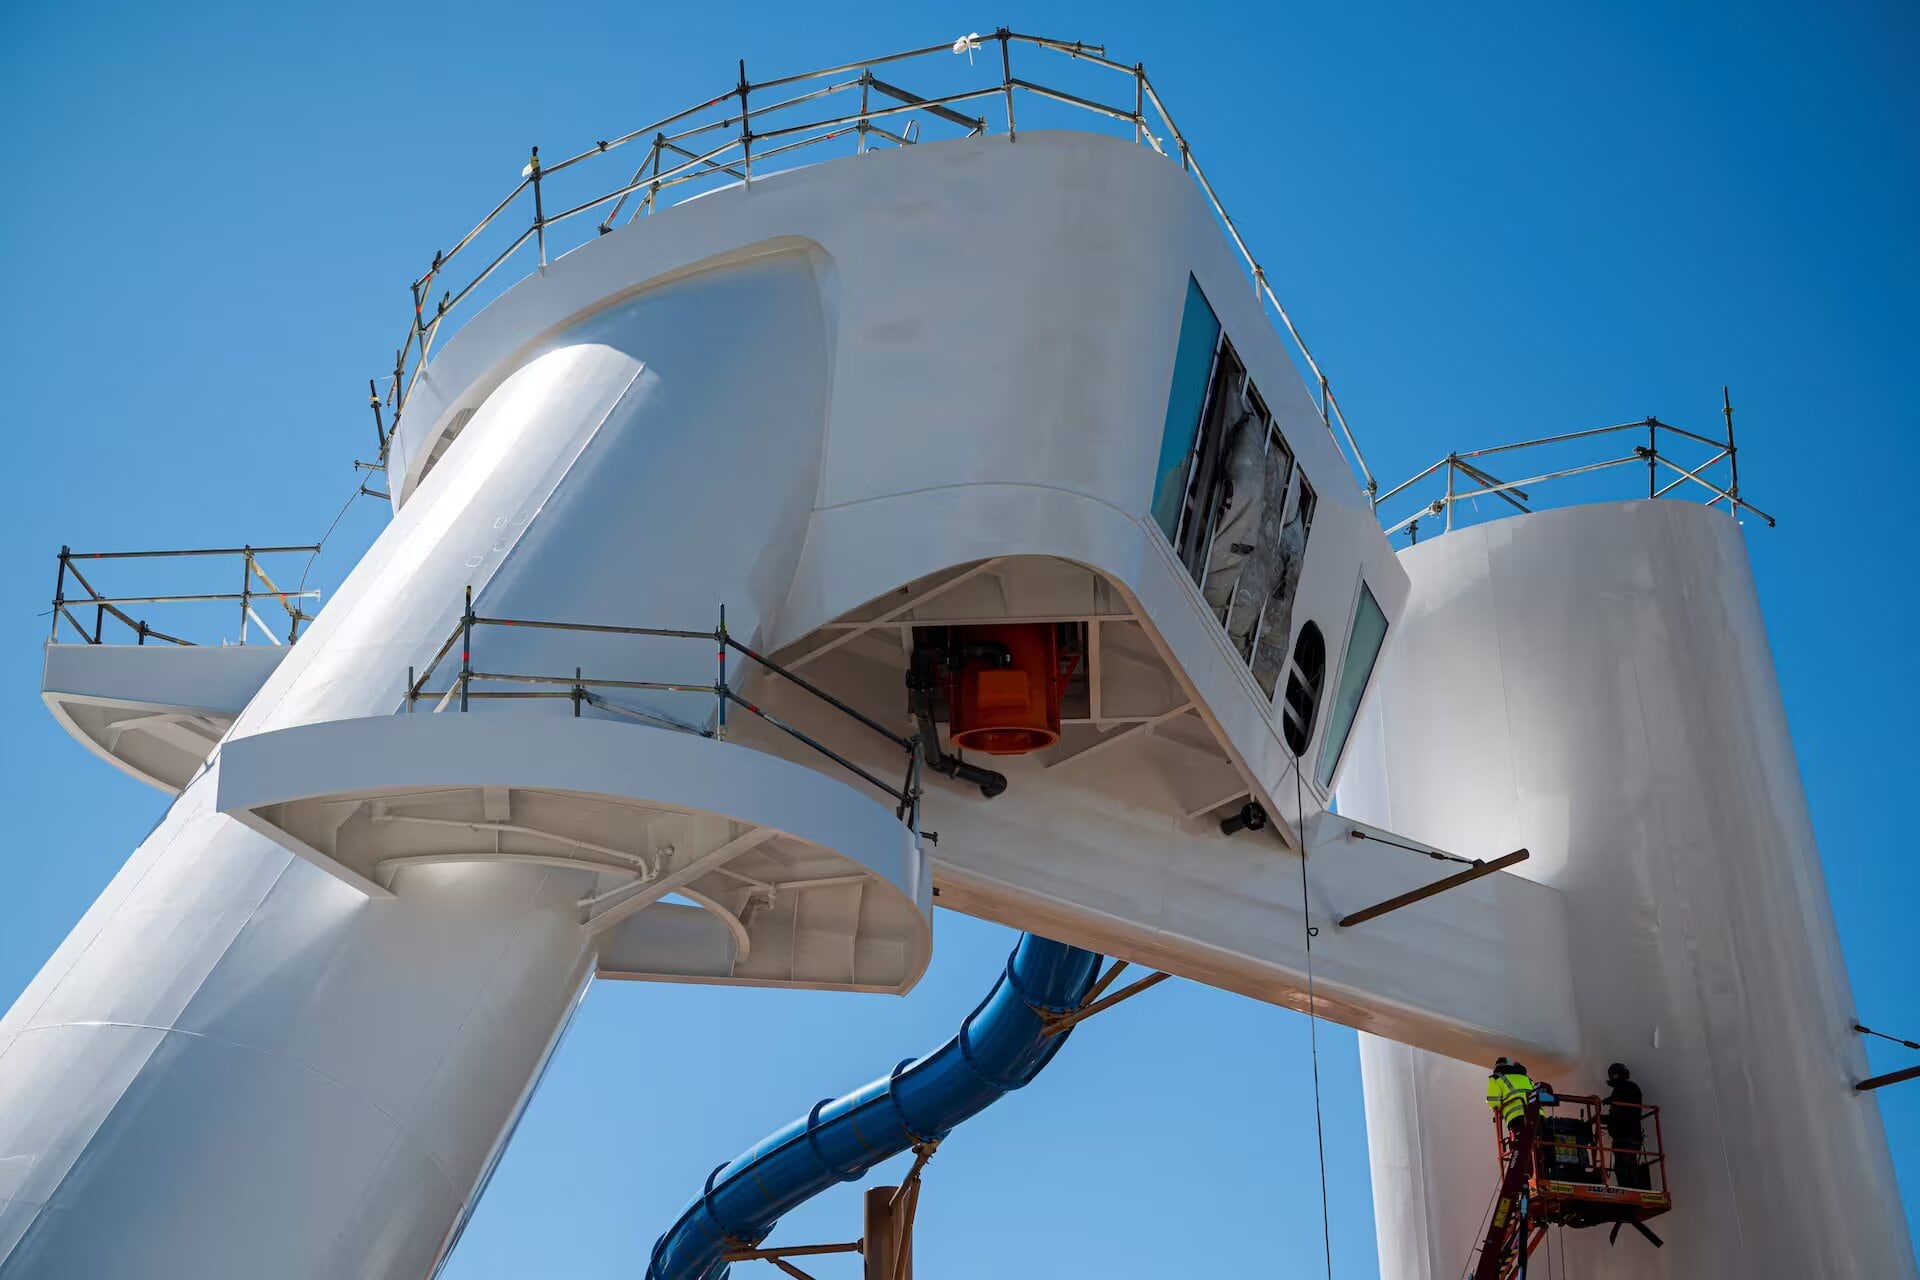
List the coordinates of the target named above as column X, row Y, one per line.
column 94, row 607
column 1675, row 460
column 754, row 129
column 1574, row 1148
column 468, row 685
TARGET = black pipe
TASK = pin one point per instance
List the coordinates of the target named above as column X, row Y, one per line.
column 921, row 674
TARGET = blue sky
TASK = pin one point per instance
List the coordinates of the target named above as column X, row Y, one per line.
column 1492, row 222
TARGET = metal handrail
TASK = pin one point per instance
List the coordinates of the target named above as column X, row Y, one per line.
column 106, row 606
column 729, row 125
column 1655, row 455
column 579, row 689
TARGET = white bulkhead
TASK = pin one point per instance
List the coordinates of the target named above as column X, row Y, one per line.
column 358, row 931
column 1595, row 684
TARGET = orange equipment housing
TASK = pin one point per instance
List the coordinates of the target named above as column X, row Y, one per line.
column 1012, row 709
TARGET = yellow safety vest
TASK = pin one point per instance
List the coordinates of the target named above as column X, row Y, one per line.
column 1507, row 1095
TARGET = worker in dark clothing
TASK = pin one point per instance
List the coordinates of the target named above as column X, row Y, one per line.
column 1626, row 1133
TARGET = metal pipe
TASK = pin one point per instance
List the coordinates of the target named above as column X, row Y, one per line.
column 1716, row 489
column 1502, row 489
column 232, row 595
column 1475, row 872
column 466, row 649
column 1733, row 456
column 915, row 100
column 1006, row 80
column 539, row 216
column 593, row 682
column 657, row 179
column 817, row 745
column 1066, row 1022
column 788, row 1251
column 1398, row 489
column 1551, row 475
column 601, row 628
column 1073, row 100
column 1671, row 485
column 246, row 584
column 196, row 551
column 1709, row 441
column 59, row 594
column 1891, row 1077
column 746, row 125
column 447, row 304
column 903, row 108
column 720, row 711
column 1078, row 50
column 818, row 692
column 1570, row 435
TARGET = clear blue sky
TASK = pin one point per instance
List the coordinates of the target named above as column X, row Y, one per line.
column 1492, row 221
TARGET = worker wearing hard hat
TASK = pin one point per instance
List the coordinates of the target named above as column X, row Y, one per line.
column 1507, row 1088
column 1626, row 1132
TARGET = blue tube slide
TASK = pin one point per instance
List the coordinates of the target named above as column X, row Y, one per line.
column 1001, row 1046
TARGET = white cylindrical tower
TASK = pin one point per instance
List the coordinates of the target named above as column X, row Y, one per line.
column 240, row 1065
column 1594, row 684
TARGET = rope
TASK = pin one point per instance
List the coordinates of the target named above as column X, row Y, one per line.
column 1313, row 1019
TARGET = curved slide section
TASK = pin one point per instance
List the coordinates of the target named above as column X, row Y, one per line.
column 1001, row 1046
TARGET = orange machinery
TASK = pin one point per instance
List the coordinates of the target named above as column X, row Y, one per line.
column 1005, row 687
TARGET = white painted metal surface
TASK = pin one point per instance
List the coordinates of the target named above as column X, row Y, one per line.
column 153, row 711
column 1595, row 684
column 914, row 388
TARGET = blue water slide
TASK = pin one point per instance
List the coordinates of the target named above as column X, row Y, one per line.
column 1001, row 1046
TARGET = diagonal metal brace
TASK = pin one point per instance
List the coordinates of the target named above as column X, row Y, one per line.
column 1060, row 1022
column 1475, row 872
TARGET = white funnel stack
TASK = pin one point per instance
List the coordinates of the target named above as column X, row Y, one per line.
column 1595, row 685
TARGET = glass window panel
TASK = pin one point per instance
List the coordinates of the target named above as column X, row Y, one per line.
column 1363, row 650
column 1192, row 363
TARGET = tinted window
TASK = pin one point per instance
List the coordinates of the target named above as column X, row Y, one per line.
column 1192, row 371
column 1305, row 675
column 1363, row 650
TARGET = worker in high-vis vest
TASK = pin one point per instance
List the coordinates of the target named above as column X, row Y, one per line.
column 1507, row 1088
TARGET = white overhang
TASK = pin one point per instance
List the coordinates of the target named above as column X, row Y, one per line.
column 153, row 711
column 802, row 880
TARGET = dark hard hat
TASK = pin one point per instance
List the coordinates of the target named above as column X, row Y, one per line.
column 1501, row 1066
column 1618, row 1071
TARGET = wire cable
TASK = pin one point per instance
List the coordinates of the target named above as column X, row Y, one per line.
column 359, row 488
column 1313, row 1018
column 1869, row 1031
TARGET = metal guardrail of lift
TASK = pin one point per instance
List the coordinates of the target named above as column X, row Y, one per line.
column 255, row 585
column 581, row 690
column 724, row 138
column 1467, row 478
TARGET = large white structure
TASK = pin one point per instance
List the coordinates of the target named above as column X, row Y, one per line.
column 1595, row 684
column 932, row 402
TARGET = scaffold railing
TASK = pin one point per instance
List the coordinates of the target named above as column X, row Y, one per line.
column 468, row 685
column 255, row 586
column 1676, row 460
column 756, row 128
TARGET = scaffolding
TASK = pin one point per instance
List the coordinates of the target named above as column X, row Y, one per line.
column 255, row 586
column 1669, row 453
column 756, row 128
column 583, row 691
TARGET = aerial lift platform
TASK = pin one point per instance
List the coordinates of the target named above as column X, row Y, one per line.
column 1561, row 1168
